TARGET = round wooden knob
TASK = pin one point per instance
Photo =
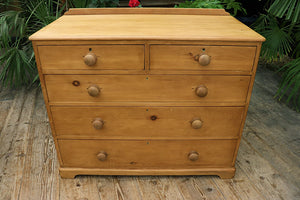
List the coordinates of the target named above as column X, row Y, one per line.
column 93, row 90
column 98, row 123
column 201, row 91
column 196, row 124
column 102, row 156
column 204, row 59
column 90, row 59
column 193, row 155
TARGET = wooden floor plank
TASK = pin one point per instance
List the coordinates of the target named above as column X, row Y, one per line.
column 107, row 188
column 13, row 140
column 188, row 189
column 265, row 178
column 240, row 187
column 208, row 187
column 80, row 188
column 153, row 187
column 41, row 165
column 117, row 187
column 167, row 189
column 278, row 131
column 127, row 188
column 7, row 97
column 286, row 165
column 280, row 124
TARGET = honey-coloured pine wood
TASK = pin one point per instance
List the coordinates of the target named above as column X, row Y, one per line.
column 146, row 88
column 164, row 11
column 175, row 70
column 147, row 122
column 147, row 27
column 202, row 57
column 100, row 57
column 119, row 154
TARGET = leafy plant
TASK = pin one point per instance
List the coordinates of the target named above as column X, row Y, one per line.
column 17, row 57
column 218, row 4
column 200, row 4
column 16, row 52
column 233, row 5
column 289, row 9
column 105, row 3
column 22, row 19
column 280, row 25
column 290, row 83
column 278, row 40
column 92, row 3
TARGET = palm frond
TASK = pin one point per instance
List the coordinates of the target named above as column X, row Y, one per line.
column 290, row 83
column 278, row 40
column 17, row 56
column 288, row 8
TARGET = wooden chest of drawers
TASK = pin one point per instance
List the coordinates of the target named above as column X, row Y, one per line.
column 147, row 91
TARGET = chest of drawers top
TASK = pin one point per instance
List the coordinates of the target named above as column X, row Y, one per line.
column 147, row 24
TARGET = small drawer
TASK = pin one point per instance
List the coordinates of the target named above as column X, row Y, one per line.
column 143, row 88
column 97, row 57
column 146, row 154
column 171, row 122
column 201, row 57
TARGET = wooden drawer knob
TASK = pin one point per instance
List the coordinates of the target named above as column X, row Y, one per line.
column 98, row 123
column 193, row 155
column 93, row 90
column 102, row 156
column 196, row 124
column 204, row 59
column 201, row 90
column 90, row 59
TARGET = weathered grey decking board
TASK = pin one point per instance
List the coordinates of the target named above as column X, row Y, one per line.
column 268, row 164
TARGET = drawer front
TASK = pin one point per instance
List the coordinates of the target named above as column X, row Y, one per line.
column 133, row 88
column 108, row 57
column 181, row 57
column 172, row 122
column 143, row 154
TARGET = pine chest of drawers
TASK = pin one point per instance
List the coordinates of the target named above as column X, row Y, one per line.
column 147, row 91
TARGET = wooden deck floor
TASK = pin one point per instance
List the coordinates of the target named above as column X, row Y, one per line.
column 268, row 164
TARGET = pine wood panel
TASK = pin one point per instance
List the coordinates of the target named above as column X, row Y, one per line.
column 157, row 88
column 161, row 11
column 181, row 57
column 158, row 27
column 146, row 154
column 136, row 121
column 109, row 57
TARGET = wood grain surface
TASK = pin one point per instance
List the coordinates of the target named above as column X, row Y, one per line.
column 159, row 27
column 146, row 154
column 152, row 88
column 109, row 57
column 148, row 122
column 182, row 57
column 164, row 11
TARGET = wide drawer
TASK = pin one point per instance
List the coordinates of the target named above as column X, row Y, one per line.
column 145, row 154
column 134, row 88
column 186, row 57
column 172, row 122
column 109, row 57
